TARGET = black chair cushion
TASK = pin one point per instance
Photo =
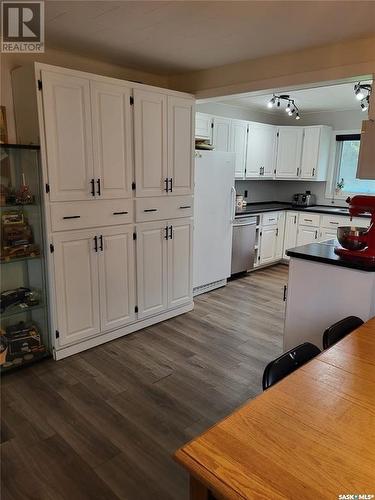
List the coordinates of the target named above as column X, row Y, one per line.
column 340, row 329
column 288, row 363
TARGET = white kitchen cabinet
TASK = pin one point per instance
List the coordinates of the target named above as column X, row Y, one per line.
column 307, row 234
column 180, row 145
column 315, row 152
column 180, row 262
column 203, row 126
column 68, row 136
column 268, row 244
column 238, row 145
column 152, row 239
column 150, row 143
column 76, row 275
column 116, row 276
column 327, row 234
column 291, row 229
column 112, row 144
column 261, row 143
column 271, row 237
column 221, row 133
column 289, row 149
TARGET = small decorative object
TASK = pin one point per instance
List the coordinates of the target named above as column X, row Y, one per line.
column 22, row 296
column 12, row 217
column 4, row 194
column 17, row 237
column 3, row 347
column 3, row 126
column 23, row 195
column 22, row 339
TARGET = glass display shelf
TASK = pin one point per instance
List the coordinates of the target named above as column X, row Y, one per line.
column 24, row 324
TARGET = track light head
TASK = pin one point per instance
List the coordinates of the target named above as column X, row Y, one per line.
column 288, row 108
column 291, row 107
column 365, row 103
column 271, row 102
column 297, row 116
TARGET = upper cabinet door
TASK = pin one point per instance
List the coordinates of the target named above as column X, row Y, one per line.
column 221, row 138
column 310, row 152
column 289, row 150
column 152, row 268
column 261, row 150
column 150, row 139
column 180, row 145
column 111, row 123
column 67, row 117
column 116, row 275
column 203, row 126
column 180, row 263
column 76, row 286
column 238, row 144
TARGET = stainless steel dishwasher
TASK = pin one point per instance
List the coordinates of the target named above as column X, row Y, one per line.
column 243, row 243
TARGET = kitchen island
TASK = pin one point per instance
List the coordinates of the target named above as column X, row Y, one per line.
column 324, row 288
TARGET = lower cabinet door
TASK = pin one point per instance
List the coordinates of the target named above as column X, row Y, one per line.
column 76, row 286
column 152, row 267
column 116, row 276
column 328, row 234
column 291, row 226
column 180, row 252
column 268, row 246
column 306, row 235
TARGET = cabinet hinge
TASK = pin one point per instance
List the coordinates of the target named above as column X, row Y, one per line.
column 277, row 135
column 274, row 171
column 136, row 309
column 247, row 129
column 133, row 186
column 212, row 124
column 131, row 100
column 260, row 234
column 47, row 188
column 40, row 85
column 134, row 236
column 51, row 248
column 259, row 257
column 57, row 334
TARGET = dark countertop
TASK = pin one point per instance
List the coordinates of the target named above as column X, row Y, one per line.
column 271, row 206
column 324, row 253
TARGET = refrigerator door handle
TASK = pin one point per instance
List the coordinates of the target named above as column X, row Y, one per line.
column 233, row 191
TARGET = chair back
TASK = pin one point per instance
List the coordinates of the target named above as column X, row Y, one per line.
column 340, row 329
column 288, row 363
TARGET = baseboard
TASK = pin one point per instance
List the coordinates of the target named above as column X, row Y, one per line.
column 210, row 286
column 64, row 352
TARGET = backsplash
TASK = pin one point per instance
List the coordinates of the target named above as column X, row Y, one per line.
column 258, row 191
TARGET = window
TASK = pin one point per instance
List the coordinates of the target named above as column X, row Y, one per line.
column 346, row 166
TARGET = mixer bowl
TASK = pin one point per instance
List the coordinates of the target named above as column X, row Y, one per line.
column 350, row 237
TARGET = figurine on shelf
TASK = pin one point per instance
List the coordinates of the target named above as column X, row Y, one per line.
column 23, row 195
column 17, row 237
column 22, row 296
column 23, row 338
column 3, row 347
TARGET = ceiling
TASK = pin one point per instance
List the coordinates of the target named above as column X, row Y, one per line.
column 177, row 36
column 320, row 99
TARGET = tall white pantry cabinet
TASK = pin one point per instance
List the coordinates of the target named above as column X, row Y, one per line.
column 118, row 171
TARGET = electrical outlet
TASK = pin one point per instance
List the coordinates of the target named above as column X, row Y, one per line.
column 245, row 193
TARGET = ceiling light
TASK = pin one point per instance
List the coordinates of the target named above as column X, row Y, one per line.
column 288, row 108
column 365, row 103
column 359, row 95
column 297, row 116
column 271, row 102
column 362, row 92
column 291, row 107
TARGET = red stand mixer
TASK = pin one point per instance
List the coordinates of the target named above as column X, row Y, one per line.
column 358, row 242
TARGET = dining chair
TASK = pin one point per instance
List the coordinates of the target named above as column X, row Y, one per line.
column 288, row 363
column 340, row 329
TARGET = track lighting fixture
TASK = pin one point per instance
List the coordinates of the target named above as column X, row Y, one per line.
column 291, row 107
column 362, row 91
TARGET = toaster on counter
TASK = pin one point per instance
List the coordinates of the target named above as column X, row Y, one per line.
column 303, row 199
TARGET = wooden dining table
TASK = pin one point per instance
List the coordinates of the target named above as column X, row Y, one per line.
column 310, row 436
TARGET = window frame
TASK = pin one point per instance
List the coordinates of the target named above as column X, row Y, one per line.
column 334, row 166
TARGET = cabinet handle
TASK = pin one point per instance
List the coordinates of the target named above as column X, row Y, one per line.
column 166, row 232
column 92, row 182
column 96, row 243
column 185, row 206
column 270, row 220
column 150, row 210
column 313, row 172
column 284, row 296
column 277, row 231
column 99, row 190
column 166, row 184
column 72, row 217
column 316, row 234
column 333, row 222
column 171, row 184
column 307, row 220
column 170, row 232
column 101, row 242
column 297, row 172
column 295, row 219
column 120, row 213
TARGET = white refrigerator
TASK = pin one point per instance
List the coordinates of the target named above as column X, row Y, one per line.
column 214, row 211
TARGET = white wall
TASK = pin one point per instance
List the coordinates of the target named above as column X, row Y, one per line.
column 240, row 113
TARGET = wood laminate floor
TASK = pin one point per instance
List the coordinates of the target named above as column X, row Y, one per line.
column 104, row 423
